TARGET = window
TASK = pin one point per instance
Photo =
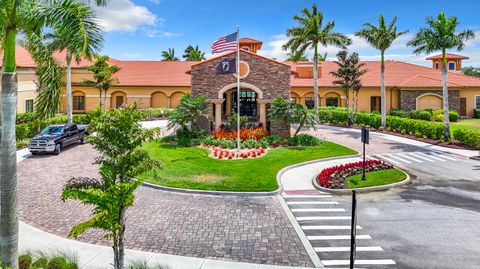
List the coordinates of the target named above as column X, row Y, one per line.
column 332, row 101
column 29, row 105
column 309, row 102
column 451, row 66
column 79, row 103
column 477, row 102
column 437, row 66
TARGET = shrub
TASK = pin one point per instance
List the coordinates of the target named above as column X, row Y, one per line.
column 25, row 261
column 189, row 137
column 41, row 263
column 250, row 144
column 303, row 140
column 453, row 115
column 58, row 263
column 398, row 113
column 233, row 120
column 22, row 131
column 468, row 137
column 274, row 140
column 438, row 115
column 156, row 113
column 476, row 113
column 168, row 139
column 425, row 115
column 24, row 117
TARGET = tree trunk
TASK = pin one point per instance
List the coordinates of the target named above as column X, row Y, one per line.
column 315, row 78
column 347, row 103
column 105, row 100
column 69, row 88
column 383, row 98
column 300, row 126
column 121, row 235
column 8, row 157
column 446, row 119
column 100, row 98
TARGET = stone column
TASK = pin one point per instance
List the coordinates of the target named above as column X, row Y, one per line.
column 263, row 110
column 218, row 111
column 169, row 101
column 228, row 104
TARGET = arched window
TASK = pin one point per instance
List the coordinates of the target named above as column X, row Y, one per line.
column 78, row 101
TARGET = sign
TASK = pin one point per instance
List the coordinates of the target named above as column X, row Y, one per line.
column 227, row 66
column 365, row 136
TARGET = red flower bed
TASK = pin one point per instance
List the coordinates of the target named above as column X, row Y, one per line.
column 232, row 154
column 335, row 177
column 245, row 133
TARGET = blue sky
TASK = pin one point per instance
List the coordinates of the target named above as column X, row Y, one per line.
column 141, row 30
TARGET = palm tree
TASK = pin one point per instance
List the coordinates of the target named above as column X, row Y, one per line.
column 310, row 33
column 102, row 75
column 296, row 57
column 79, row 43
column 29, row 18
column 169, row 55
column 440, row 35
column 348, row 77
column 193, row 54
column 381, row 37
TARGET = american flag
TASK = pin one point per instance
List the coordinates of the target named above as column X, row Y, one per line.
column 225, row 43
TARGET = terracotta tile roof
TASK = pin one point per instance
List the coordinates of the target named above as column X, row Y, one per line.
column 448, row 55
column 25, row 60
column 163, row 73
column 249, row 40
column 243, row 51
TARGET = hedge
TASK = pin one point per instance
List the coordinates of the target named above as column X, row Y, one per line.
column 468, row 137
column 419, row 128
column 476, row 113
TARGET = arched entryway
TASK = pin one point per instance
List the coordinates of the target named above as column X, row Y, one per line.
column 332, row 99
column 159, row 99
column 118, row 99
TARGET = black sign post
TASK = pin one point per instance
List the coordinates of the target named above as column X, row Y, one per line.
column 353, row 230
column 365, row 140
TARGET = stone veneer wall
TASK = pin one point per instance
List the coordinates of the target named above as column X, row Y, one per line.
column 408, row 98
column 272, row 78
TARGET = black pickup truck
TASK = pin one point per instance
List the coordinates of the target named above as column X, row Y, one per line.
column 55, row 137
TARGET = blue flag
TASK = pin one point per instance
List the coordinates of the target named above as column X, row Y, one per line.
column 227, row 66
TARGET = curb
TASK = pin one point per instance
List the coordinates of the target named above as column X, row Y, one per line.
column 279, row 190
column 407, row 180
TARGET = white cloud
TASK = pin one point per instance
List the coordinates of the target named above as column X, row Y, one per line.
column 125, row 16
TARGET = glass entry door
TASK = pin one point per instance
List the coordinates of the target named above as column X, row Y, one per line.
column 248, row 103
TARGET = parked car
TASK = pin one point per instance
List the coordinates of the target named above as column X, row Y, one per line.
column 56, row 137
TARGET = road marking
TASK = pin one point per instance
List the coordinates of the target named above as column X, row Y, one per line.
column 398, row 158
column 443, row 156
column 307, row 196
column 417, row 154
column 358, row 262
column 342, row 249
column 411, row 158
column 313, row 203
column 328, row 227
column 388, row 159
column 337, row 237
column 433, row 157
column 324, row 218
column 318, row 210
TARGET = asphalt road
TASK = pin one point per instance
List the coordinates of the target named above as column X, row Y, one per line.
column 432, row 222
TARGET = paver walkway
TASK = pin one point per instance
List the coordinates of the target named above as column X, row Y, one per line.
column 233, row 228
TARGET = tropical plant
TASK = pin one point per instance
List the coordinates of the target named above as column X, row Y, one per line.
column 119, row 139
column 471, row 71
column 169, row 55
column 83, row 41
column 311, row 32
column 193, row 54
column 102, row 75
column 280, row 109
column 440, row 35
column 348, row 78
column 296, row 57
column 28, row 18
column 189, row 110
column 381, row 37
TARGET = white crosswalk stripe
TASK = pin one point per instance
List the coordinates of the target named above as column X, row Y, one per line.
column 417, row 157
column 328, row 231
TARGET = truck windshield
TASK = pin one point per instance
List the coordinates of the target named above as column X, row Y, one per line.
column 52, row 130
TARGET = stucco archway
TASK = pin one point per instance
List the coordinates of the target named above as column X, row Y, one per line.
column 117, row 99
column 159, row 99
column 429, row 101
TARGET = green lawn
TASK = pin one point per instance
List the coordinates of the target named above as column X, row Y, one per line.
column 471, row 124
column 376, row 178
column 192, row 168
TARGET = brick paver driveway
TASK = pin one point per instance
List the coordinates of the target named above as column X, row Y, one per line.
column 246, row 229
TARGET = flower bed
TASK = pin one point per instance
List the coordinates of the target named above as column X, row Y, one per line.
column 231, row 154
column 336, row 177
column 245, row 134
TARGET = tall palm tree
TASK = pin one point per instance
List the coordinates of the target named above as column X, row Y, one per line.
column 102, row 75
column 348, row 74
column 440, row 35
column 79, row 43
column 311, row 32
column 169, row 55
column 381, row 37
column 296, row 57
column 29, row 18
column 193, row 54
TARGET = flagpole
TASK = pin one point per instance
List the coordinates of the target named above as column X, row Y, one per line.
column 238, row 90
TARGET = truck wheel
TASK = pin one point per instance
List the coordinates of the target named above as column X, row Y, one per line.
column 58, row 149
column 82, row 140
